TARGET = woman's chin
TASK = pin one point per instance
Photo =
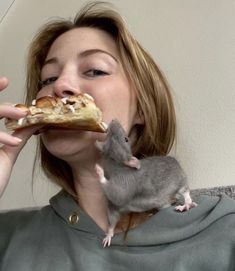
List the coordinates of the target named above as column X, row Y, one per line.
column 68, row 144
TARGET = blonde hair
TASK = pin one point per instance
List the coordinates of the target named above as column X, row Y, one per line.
column 154, row 101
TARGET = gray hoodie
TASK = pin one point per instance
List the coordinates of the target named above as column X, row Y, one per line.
column 61, row 237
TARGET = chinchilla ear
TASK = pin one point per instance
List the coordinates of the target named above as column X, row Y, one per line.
column 133, row 162
column 99, row 145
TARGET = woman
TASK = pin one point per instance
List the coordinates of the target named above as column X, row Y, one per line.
column 97, row 55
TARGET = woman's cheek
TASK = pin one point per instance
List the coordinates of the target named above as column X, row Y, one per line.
column 44, row 92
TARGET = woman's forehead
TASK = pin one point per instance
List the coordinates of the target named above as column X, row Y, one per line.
column 84, row 39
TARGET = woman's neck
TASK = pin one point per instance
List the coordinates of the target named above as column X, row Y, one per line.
column 90, row 196
column 93, row 201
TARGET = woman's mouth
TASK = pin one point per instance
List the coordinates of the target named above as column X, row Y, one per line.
column 55, row 129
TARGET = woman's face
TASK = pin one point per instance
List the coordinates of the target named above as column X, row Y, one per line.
column 86, row 60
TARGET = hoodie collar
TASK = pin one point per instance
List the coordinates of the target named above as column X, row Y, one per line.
column 166, row 226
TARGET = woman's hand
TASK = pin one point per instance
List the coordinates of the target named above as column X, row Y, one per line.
column 10, row 145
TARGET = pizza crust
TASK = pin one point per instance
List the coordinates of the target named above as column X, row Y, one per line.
column 74, row 112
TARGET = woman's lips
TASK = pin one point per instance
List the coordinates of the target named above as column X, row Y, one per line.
column 54, row 128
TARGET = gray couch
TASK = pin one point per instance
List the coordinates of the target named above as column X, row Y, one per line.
column 215, row 191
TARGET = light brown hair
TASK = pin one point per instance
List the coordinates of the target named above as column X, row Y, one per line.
column 154, row 101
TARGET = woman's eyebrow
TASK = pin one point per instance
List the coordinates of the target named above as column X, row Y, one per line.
column 95, row 51
column 52, row 60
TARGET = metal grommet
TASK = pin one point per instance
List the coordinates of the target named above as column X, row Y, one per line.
column 74, row 218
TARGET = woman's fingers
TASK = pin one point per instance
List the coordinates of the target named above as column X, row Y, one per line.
column 25, row 133
column 3, row 83
column 9, row 140
column 10, row 111
column 12, row 150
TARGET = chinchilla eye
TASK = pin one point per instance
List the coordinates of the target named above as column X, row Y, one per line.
column 126, row 139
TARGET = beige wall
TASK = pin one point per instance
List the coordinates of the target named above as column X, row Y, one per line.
column 194, row 43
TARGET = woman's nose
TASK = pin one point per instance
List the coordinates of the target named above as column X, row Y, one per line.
column 66, row 85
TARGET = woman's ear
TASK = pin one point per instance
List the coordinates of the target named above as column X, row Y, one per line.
column 139, row 118
column 99, row 145
column 138, row 123
column 134, row 133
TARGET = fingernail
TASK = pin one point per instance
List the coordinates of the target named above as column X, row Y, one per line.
column 22, row 111
column 17, row 139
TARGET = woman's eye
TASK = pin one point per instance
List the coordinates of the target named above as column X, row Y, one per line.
column 95, row 73
column 48, row 81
